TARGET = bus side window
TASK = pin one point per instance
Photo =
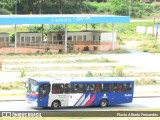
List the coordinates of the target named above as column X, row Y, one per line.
column 67, row 88
column 97, row 87
column 106, row 87
column 86, row 87
column 89, row 87
column 57, row 88
column 77, row 88
column 92, row 87
column 128, row 87
column 120, row 87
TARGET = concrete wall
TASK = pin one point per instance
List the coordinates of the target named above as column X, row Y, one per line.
column 24, row 50
column 107, row 37
column 145, row 30
column 102, row 47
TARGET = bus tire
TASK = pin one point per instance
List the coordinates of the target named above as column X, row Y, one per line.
column 103, row 103
column 55, row 104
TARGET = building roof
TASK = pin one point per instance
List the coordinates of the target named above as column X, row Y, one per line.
column 62, row 19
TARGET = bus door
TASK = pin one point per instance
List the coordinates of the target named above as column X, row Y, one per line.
column 44, row 91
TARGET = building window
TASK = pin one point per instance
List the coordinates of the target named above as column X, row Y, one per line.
column 22, row 39
column 94, row 37
column 84, row 37
column 99, row 38
column 38, row 38
column 7, row 39
column 54, row 38
column 69, row 38
column 27, row 39
column 1, row 39
column 74, row 38
column 33, row 39
column 79, row 37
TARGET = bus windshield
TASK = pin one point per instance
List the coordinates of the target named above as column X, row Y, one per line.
column 32, row 86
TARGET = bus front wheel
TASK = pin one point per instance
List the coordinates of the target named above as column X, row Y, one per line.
column 55, row 104
column 103, row 103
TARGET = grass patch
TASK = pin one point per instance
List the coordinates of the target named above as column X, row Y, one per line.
column 89, row 74
column 150, row 47
column 118, row 71
column 100, row 60
column 10, row 86
column 116, row 51
column 10, row 95
column 43, row 55
column 146, row 81
column 22, row 72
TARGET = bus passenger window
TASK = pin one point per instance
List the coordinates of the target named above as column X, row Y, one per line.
column 128, row 87
column 106, row 87
column 97, row 87
column 77, row 88
column 67, row 88
column 90, row 87
column 57, row 88
column 120, row 88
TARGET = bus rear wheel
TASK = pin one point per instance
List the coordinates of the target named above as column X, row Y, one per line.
column 103, row 103
column 55, row 104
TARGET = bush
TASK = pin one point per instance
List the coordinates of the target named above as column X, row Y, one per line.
column 145, row 81
column 22, row 72
column 150, row 47
column 9, row 86
column 89, row 74
column 4, row 11
column 12, row 37
column 118, row 71
column 6, row 87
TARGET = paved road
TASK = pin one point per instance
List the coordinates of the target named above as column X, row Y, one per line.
column 138, row 103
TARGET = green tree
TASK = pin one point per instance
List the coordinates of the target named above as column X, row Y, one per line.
column 119, row 7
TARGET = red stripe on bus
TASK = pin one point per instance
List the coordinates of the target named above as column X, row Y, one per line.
column 91, row 100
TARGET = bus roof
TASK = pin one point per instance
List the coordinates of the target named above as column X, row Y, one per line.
column 83, row 79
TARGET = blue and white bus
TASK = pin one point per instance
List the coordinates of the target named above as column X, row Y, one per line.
column 88, row 91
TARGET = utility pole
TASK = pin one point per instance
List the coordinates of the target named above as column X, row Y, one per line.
column 130, row 1
column 15, row 29
column 16, row 1
column 156, row 26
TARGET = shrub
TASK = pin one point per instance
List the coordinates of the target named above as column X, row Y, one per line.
column 145, row 81
column 4, row 11
column 5, row 87
column 22, row 72
column 118, row 71
column 89, row 74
